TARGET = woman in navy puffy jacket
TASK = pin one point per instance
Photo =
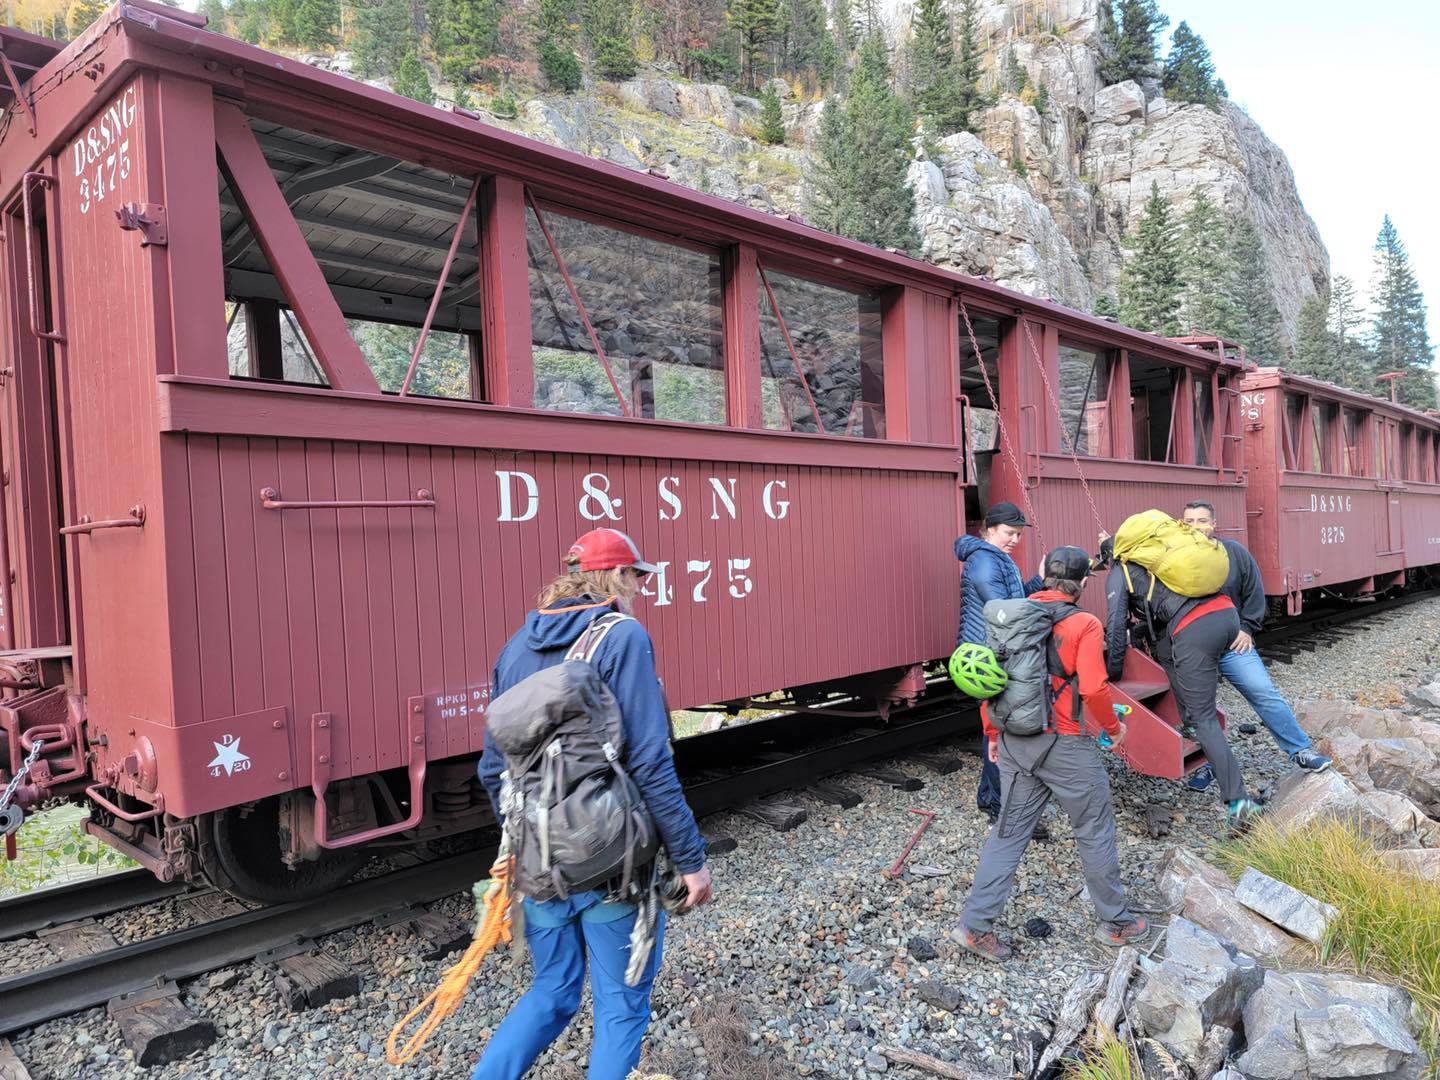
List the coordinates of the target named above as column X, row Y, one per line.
column 990, row 574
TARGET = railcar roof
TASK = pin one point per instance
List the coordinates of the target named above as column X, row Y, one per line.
column 281, row 91
column 1274, row 376
column 27, row 54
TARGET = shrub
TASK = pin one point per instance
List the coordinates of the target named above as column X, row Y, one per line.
column 1108, row 1059
column 560, row 67
column 503, row 105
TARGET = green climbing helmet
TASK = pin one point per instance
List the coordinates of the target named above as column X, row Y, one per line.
column 976, row 671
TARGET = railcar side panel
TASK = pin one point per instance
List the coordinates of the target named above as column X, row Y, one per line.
column 353, row 612
column 107, row 289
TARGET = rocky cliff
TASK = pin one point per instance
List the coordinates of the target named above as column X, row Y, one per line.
column 1038, row 202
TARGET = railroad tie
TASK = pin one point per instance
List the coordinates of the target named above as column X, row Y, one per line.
column 937, row 761
column 158, row 1027
column 894, row 777
column 73, row 940
column 718, row 843
column 780, row 816
column 843, row 797
column 440, row 934
column 307, row 978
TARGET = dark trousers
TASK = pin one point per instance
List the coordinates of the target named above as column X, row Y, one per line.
column 987, row 796
column 1191, row 659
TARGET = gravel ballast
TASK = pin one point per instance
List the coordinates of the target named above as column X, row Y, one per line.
column 823, row 956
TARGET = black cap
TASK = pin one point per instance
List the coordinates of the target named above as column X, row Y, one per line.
column 1068, row 562
column 1005, row 514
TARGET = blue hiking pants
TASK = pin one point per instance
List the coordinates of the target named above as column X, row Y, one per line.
column 1246, row 672
column 561, row 935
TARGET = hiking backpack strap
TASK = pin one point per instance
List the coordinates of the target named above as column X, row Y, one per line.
column 1059, row 612
column 588, row 643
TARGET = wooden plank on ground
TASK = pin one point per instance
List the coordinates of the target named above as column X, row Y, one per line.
column 311, row 979
column 161, row 1030
column 73, row 940
column 11, row 1067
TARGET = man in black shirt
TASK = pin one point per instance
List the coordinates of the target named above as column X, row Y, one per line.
column 1241, row 664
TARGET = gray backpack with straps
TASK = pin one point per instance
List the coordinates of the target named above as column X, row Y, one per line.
column 574, row 818
column 1020, row 633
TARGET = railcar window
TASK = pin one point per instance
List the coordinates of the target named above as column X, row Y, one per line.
column 654, row 307
column 1204, row 417
column 445, row 369
column 829, row 376
column 1152, row 409
column 1292, row 433
column 1322, row 421
column 264, row 341
column 1353, row 427
column 1407, row 454
column 1084, row 400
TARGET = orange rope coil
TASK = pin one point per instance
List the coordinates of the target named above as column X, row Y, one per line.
column 490, row 930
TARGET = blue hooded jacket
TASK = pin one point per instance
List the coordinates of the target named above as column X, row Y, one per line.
column 990, row 574
column 626, row 661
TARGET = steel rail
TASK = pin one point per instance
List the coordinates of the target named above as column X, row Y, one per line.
column 88, row 899
column 1304, row 625
column 69, row 987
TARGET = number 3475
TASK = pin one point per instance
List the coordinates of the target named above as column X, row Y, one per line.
column 1332, row 534
column 109, row 170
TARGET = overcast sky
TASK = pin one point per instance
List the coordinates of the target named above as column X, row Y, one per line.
column 1348, row 92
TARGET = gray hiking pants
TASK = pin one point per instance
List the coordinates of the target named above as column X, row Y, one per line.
column 1191, row 658
column 1031, row 770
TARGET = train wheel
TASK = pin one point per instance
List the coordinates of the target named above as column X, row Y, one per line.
column 240, row 854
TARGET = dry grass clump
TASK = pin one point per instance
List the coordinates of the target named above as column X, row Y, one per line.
column 1389, row 922
column 724, row 1033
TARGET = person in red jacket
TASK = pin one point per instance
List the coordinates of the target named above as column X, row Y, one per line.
column 1063, row 762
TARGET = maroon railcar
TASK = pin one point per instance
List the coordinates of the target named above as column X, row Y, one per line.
column 309, row 388
column 1344, row 494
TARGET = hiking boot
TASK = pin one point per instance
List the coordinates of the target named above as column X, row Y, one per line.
column 1310, row 761
column 1129, row 933
column 1240, row 815
column 1200, row 779
column 984, row 945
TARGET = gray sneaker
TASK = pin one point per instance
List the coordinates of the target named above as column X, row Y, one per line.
column 1310, row 761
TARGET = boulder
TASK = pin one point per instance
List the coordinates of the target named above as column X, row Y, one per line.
column 1199, row 984
column 1285, row 906
column 1177, row 866
column 1217, row 910
column 1119, row 104
column 1424, row 863
column 1309, row 1026
column 1326, row 717
column 651, row 93
column 1402, row 818
column 1303, row 798
column 1427, row 696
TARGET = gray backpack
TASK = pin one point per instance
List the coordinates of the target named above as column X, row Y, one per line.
column 574, row 818
column 1020, row 633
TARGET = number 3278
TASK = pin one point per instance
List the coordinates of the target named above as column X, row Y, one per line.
column 1332, row 534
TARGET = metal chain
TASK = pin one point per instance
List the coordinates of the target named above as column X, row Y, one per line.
column 20, row 775
column 1030, row 514
column 1055, row 403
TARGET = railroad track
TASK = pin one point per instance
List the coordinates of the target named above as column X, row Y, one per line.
column 723, row 770
column 1313, row 627
column 74, row 985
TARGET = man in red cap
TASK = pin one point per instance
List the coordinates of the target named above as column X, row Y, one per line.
column 604, row 573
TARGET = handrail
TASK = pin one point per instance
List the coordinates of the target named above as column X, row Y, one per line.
column 270, row 500
column 86, row 525
column 158, row 808
column 46, row 180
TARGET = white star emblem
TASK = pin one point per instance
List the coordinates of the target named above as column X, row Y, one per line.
column 228, row 754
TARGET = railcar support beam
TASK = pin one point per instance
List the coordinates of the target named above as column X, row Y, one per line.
column 299, row 274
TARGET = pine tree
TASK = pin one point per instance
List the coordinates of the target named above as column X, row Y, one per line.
column 1205, row 271
column 606, row 24
column 315, row 23
column 756, row 21
column 772, row 119
column 1257, row 323
column 464, row 32
column 412, row 80
column 1315, row 352
column 934, row 74
column 802, row 33
column 82, row 13
column 215, row 15
column 1401, row 337
column 381, row 37
column 1132, row 54
column 1150, row 278
column 967, row 74
column 560, row 66
column 859, row 187
column 1106, row 307
column 1189, row 72
column 1346, row 318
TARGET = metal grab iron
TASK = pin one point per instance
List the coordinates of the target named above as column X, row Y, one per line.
column 45, row 180
column 86, row 525
column 270, row 500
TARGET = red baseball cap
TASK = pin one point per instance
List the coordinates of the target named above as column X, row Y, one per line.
column 606, row 549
